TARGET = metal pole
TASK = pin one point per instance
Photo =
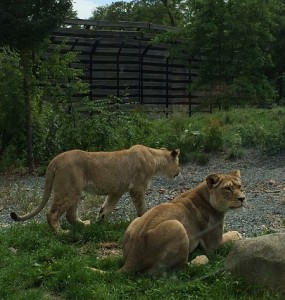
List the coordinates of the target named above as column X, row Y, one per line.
column 118, row 69
column 189, row 83
column 92, row 52
column 167, row 86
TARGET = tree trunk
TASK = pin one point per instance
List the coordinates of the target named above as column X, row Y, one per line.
column 169, row 13
column 25, row 61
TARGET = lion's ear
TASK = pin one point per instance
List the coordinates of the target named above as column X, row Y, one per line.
column 175, row 153
column 235, row 173
column 212, row 180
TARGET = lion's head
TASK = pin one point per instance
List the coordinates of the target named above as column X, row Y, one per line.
column 225, row 191
column 173, row 167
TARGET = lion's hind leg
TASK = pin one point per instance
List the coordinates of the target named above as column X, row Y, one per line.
column 57, row 209
column 64, row 203
column 72, row 215
column 168, row 247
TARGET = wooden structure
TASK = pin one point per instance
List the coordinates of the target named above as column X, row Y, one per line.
column 120, row 61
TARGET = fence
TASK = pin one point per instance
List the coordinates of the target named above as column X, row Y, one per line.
column 119, row 60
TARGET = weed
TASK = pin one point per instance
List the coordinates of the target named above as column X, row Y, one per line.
column 213, row 133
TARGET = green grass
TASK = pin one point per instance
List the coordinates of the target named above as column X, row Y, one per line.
column 229, row 132
column 36, row 264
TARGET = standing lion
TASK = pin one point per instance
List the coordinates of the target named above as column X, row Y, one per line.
column 102, row 173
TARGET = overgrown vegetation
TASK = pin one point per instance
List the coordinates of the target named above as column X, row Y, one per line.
column 24, row 28
column 35, row 264
column 228, row 132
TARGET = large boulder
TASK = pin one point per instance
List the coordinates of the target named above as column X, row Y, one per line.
column 260, row 260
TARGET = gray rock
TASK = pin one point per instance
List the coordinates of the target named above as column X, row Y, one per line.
column 259, row 260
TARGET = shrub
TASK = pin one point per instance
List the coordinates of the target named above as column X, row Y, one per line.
column 213, row 136
column 11, row 158
column 104, row 128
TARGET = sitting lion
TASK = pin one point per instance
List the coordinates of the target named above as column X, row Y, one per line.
column 103, row 173
column 165, row 235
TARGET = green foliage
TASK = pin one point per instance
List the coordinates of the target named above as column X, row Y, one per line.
column 240, row 42
column 213, row 136
column 24, row 25
column 49, row 100
column 12, row 119
column 107, row 128
column 193, row 136
column 58, row 80
column 23, row 28
column 263, row 129
column 10, row 158
column 35, row 264
column 224, row 131
column 235, row 41
column 153, row 11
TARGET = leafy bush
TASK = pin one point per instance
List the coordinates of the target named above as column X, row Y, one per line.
column 105, row 127
column 213, row 136
column 12, row 119
column 10, row 159
column 224, row 131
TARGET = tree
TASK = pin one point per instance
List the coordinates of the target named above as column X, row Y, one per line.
column 165, row 12
column 233, row 39
column 55, row 118
column 277, row 48
column 24, row 25
column 11, row 107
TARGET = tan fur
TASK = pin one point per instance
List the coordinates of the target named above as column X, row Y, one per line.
column 165, row 235
column 102, row 173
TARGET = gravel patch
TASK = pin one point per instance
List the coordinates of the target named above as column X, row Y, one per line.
column 263, row 180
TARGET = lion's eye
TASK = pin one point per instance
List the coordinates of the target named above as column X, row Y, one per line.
column 227, row 188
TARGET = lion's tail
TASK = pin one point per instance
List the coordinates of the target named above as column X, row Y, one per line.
column 50, row 173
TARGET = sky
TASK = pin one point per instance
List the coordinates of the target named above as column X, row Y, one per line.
column 84, row 8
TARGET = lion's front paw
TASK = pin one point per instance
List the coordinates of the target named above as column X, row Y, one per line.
column 86, row 223
column 231, row 236
column 63, row 232
column 199, row 260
